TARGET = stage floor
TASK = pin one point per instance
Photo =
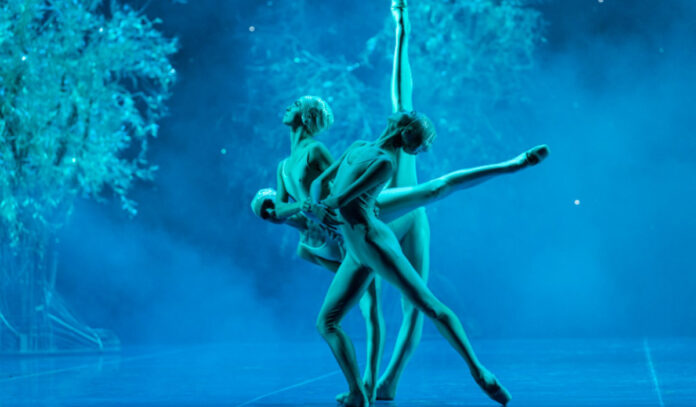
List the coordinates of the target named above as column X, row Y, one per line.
column 637, row 372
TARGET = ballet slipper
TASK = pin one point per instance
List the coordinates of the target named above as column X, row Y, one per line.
column 385, row 391
column 399, row 4
column 490, row 385
column 350, row 399
column 537, row 154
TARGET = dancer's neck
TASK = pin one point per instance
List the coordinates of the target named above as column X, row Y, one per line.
column 299, row 137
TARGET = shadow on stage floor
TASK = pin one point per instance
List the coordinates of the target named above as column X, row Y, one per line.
column 633, row 372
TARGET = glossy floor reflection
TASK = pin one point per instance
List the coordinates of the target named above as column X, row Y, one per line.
column 637, row 372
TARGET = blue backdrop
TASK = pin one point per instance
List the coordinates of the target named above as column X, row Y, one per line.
column 597, row 241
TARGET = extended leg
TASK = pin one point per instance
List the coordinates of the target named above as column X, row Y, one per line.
column 396, row 269
column 371, row 309
column 395, row 202
column 415, row 245
column 348, row 285
column 402, row 89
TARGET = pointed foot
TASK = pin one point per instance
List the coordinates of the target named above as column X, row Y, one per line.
column 490, row 385
column 537, row 154
column 398, row 4
column 385, row 391
column 350, row 399
column 370, row 389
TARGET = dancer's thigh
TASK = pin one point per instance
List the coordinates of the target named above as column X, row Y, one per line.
column 345, row 290
column 416, row 244
column 397, row 270
column 402, row 225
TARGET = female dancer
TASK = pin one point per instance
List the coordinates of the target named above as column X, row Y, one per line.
column 307, row 117
column 372, row 248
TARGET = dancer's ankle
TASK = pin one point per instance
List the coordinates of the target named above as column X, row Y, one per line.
column 399, row 4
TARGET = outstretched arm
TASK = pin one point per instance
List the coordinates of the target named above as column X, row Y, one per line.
column 395, row 202
column 402, row 82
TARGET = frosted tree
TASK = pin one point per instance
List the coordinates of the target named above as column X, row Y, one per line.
column 467, row 57
column 82, row 86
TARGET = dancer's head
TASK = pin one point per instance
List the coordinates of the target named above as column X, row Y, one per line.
column 263, row 205
column 310, row 112
column 413, row 131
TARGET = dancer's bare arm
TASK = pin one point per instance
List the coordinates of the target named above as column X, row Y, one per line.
column 318, row 159
column 283, row 207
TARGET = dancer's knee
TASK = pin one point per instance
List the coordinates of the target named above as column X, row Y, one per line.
column 438, row 189
column 365, row 304
column 326, row 325
column 438, row 313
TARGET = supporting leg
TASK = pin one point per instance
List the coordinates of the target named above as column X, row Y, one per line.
column 371, row 308
column 416, row 247
column 348, row 285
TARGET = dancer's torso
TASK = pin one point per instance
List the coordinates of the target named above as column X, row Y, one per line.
column 357, row 160
column 364, row 234
column 298, row 173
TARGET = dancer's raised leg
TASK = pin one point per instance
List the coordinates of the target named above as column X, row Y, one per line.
column 415, row 244
column 371, row 308
column 395, row 202
column 412, row 229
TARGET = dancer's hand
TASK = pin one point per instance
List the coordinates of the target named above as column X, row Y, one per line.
column 321, row 213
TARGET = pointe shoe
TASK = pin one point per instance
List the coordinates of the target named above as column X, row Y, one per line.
column 341, row 396
column 371, row 390
column 385, row 392
column 537, row 154
column 399, row 4
column 489, row 384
